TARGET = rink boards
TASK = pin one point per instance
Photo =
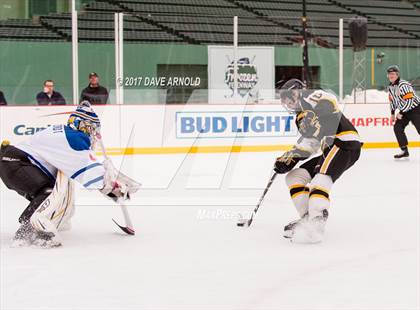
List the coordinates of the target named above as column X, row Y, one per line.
column 171, row 129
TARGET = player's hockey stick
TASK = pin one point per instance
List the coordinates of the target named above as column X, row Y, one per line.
column 242, row 222
column 128, row 229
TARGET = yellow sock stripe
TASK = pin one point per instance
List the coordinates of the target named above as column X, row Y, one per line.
column 296, row 186
column 321, row 189
column 318, row 196
column 300, row 193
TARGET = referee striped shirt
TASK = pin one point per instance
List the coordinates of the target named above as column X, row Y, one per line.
column 402, row 96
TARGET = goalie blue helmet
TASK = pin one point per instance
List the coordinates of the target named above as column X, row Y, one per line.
column 85, row 120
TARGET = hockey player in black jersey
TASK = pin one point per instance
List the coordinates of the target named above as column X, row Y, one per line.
column 324, row 128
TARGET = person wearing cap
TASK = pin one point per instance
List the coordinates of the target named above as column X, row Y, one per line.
column 49, row 96
column 94, row 93
column 2, row 99
column 405, row 108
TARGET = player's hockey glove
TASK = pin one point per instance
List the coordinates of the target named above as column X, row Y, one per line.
column 288, row 160
column 308, row 124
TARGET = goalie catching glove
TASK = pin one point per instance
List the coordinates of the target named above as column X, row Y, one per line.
column 288, row 160
column 117, row 185
column 115, row 191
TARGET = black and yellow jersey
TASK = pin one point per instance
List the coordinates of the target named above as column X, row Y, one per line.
column 332, row 126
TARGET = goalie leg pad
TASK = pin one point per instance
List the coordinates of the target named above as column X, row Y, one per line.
column 65, row 211
column 56, row 210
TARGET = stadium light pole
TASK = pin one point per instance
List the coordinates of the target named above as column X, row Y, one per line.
column 117, row 58
column 121, row 55
column 340, row 59
column 305, row 56
column 75, row 52
column 119, row 61
column 235, row 56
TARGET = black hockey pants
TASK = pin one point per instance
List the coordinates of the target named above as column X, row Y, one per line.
column 400, row 124
column 20, row 175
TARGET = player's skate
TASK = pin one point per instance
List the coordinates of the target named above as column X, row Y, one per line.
column 310, row 230
column 402, row 155
column 289, row 228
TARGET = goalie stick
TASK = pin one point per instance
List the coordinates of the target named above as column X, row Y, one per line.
column 128, row 229
column 242, row 222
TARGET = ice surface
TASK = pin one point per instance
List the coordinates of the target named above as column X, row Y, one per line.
column 189, row 254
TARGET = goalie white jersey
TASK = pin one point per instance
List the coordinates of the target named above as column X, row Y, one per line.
column 59, row 147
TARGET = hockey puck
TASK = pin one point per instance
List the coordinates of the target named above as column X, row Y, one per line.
column 241, row 221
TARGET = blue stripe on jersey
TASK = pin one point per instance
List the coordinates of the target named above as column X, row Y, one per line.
column 40, row 166
column 93, row 181
column 77, row 140
column 77, row 173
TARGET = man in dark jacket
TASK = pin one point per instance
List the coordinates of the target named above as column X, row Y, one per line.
column 48, row 96
column 94, row 93
column 2, row 99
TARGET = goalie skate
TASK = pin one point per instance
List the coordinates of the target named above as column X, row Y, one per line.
column 23, row 236
column 26, row 236
column 46, row 240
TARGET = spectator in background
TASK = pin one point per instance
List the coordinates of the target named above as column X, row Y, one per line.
column 94, row 93
column 48, row 96
column 2, row 99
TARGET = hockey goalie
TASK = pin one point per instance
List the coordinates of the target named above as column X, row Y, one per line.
column 42, row 169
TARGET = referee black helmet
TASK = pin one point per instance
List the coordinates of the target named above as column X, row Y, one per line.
column 393, row 68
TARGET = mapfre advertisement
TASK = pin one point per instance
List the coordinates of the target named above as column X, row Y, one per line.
column 255, row 74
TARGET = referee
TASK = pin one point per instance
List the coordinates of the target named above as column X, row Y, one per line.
column 404, row 100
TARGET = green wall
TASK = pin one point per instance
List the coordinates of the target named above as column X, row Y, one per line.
column 13, row 9
column 408, row 60
column 25, row 65
column 26, row 8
